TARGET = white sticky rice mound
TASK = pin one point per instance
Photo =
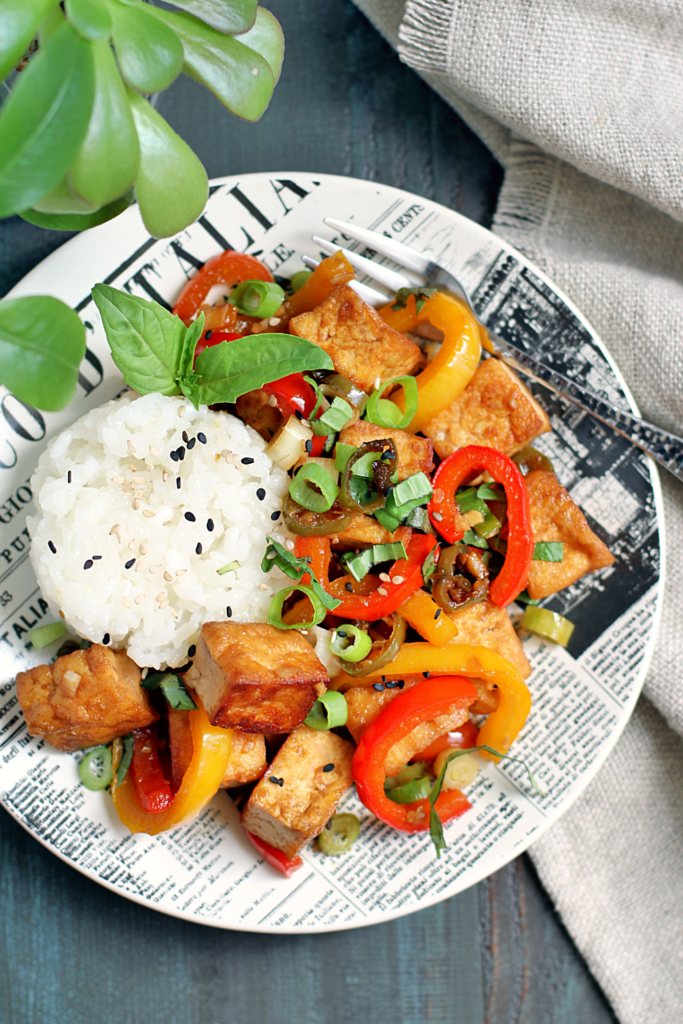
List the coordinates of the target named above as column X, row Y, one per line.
column 156, row 618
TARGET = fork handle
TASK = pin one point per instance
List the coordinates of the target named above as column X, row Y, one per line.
column 665, row 448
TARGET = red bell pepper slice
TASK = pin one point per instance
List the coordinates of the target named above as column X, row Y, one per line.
column 151, row 788
column 276, row 858
column 228, row 268
column 462, row 738
column 422, row 702
column 292, row 393
column 443, row 512
column 210, row 338
column 390, row 596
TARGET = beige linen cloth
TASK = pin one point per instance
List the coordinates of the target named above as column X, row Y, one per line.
column 582, row 103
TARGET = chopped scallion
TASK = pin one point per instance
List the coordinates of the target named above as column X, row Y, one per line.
column 313, row 488
column 328, row 712
column 172, row 688
column 385, row 413
column 350, row 643
column 333, row 419
column 257, row 298
column 96, row 769
column 44, row 635
column 342, row 454
column 547, row 624
column 360, row 565
column 228, row 568
column 278, row 602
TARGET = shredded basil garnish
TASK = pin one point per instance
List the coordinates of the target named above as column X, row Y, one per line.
column 548, row 551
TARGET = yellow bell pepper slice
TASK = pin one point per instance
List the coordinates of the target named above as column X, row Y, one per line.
column 210, row 756
column 503, row 725
column 453, row 368
column 423, row 613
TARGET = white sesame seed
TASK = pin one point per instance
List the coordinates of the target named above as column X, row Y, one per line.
column 180, row 572
column 149, row 467
column 131, row 544
column 254, row 71
column 140, row 565
column 168, row 577
column 140, row 598
column 132, row 448
column 136, row 504
column 117, row 479
column 274, row 321
column 148, row 512
column 154, row 452
column 174, row 613
column 165, row 476
column 133, row 469
column 160, row 596
column 145, row 673
column 382, row 591
column 163, row 604
column 378, row 381
column 385, row 577
column 126, row 602
column 115, row 528
column 155, row 568
column 398, row 579
column 289, row 544
column 304, row 632
column 143, row 547
column 437, row 516
column 272, row 401
column 181, row 410
column 139, row 480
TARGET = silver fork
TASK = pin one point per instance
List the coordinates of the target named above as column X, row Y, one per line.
column 665, row 448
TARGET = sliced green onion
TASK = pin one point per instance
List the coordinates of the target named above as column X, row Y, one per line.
column 172, row 688
column 228, row 568
column 408, row 773
column 384, row 651
column 342, row 454
column 360, row 565
column 415, row 486
column 257, row 298
column 547, row 624
column 44, row 635
column 277, row 604
column 419, row 519
column 313, row 488
column 126, row 758
column 96, row 770
column 339, row 834
column 419, row 789
column 299, row 279
column 385, row 413
column 524, row 598
column 334, row 418
column 530, row 458
column 357, row 493
column 548, row 551
column 330, row 444
column 469, row 501
column 350, row 643
column 471, row 538
column 295, row 568
column 489, row 492
column 328, row 712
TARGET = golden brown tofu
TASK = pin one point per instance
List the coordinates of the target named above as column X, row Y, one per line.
column 495, row 410
column 364, row 705
column 554, row 516
column 415, row 454
column 254, row 677
column 361, row 345
column 300, row 791
column 488, row 625
column 247, row 754
column 84, row 699
column 255, row 409
column 363, row 531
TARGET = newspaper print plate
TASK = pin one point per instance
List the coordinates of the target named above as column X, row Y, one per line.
column 207, row 871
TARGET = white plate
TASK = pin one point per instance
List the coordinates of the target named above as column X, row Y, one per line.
column 207, row 871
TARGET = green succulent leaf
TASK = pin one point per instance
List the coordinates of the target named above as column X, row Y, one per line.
column 42, row 342
column 237, row 75
column 146, row 340
column 148, row 51
column 90, row 18
column 171, row 186
column 266, row 37
column 63, row 200
column 79, row 221
column 53, row 21
column 108, row 160
column 232, row 368
column 226, row 15
column 44, row 121
column 20, row 21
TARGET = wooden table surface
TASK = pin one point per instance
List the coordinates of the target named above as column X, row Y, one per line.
column 74, row 953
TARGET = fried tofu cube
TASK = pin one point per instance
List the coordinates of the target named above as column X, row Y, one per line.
column 487, row 625
column 495, row 410
column 84, row 699
column 364, row 531
column 300, row 791
column 247, row 754
column 254, row 677
column 415, row 454
column 362, row 347
column 255, row 409
column 554, row 516
column 364, row 705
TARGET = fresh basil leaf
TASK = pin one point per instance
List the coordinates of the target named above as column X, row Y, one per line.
column 126, row 757
column 474, row 540
column 491, row 492
column 266, row 38
column 149, row 53
column 44, row 121
column 107, row 162
column 146, row 340
column 79, row 221
column 237, row 75
column 191, row 387
column 524, row 598
column 42, row 343
column 421, row 296
column 233, row 17
column 20, row 21
column 172, row 688
column 192, row 335
column 171, row 185
column 428, row 569
column 548, row 551
column 90, row 18
column 232, row 368
column 295, row 568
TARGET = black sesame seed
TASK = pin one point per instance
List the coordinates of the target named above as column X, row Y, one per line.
column 177, row 482
column 349, row 587
column 247, row 461
column 387, row 455
column 401, row 683
column 275, row 516
column 191, row 517
column 378, row 686
column 198, row 549
column 328, row 768
column 191, row 443
column 438, row 612
column 392, row 685
column 96, row 558
column 201, row 438
column 228, row 612
column 180, row 452
column 426, row 675
column 89, row 564
column 192, row 651
column 52, row 548
column 209, row 525
column 384, row 679
column 130, row 563
column 106, row 639
column 277, row 782
column 298, row 413
column 207, row 334
column 174, row 456
column 185, row 436
column 260, row 493
column 309, row 445
column 342, row 632
column 68, row 477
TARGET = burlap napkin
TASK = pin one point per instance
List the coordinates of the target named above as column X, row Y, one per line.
column 582, row 103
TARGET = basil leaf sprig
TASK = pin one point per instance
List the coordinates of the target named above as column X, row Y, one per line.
column 421, row 296
column 154, row 351
column 296, row 569
column 172, row 688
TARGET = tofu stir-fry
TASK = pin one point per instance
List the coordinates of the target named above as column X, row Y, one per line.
column 415, row 512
